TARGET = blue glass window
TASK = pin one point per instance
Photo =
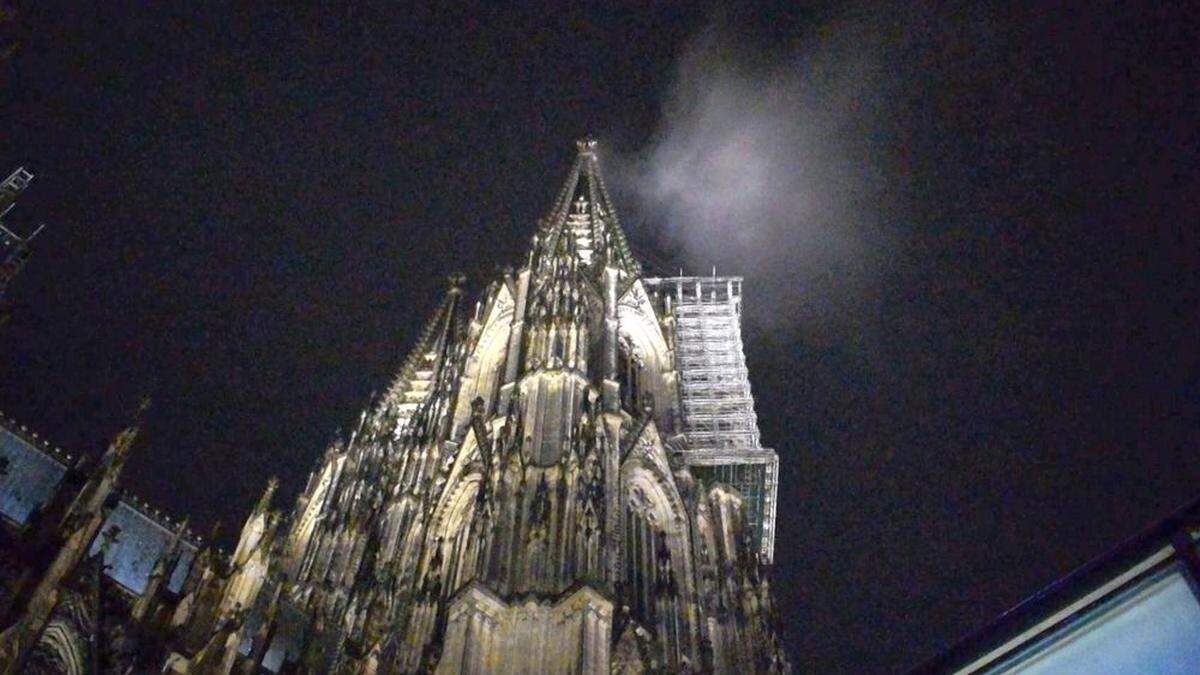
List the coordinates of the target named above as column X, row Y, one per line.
column 1152, row 627
column 29, row 478
column 138, row 546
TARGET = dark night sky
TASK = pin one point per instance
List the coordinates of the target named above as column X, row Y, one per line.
column 251, row 212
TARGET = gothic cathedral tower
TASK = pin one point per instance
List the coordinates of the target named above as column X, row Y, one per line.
column 565, row 478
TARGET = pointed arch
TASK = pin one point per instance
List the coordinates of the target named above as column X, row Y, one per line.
column 640, row 332
column 452, row 521
column 484, row 365
column 657, row 556
column 62, row 647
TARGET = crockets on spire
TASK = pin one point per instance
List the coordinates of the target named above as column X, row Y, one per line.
column 584, row 215
column 412, row 385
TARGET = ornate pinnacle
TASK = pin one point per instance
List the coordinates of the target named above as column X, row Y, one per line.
column 120, row 445
column 264, row 502
column 586, row 145
column 143, row 406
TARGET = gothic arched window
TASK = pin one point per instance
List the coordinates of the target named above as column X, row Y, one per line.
column 629, row 375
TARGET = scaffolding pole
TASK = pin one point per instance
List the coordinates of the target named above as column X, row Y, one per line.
column 717, row 407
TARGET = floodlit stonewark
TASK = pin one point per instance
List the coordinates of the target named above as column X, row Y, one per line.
column 564, row 476
column 485, row 634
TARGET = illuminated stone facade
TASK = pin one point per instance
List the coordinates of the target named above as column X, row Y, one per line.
column 521, row 498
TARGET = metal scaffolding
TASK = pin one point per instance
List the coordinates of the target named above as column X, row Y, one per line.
column 14, row 249
column 718, row 415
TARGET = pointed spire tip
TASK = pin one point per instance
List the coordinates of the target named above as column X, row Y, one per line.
column 586, row 145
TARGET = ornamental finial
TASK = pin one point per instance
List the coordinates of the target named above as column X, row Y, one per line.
column 143, row 405
column 264, row 502
column 586, row 145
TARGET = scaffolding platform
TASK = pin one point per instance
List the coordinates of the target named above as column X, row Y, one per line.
column 717, row 407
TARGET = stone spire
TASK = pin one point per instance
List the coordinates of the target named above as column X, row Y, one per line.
column 264, row 502
column 147, row 604
column 411, row 385
column 584, row 213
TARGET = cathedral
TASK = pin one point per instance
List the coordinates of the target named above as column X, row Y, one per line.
column 564, row 476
